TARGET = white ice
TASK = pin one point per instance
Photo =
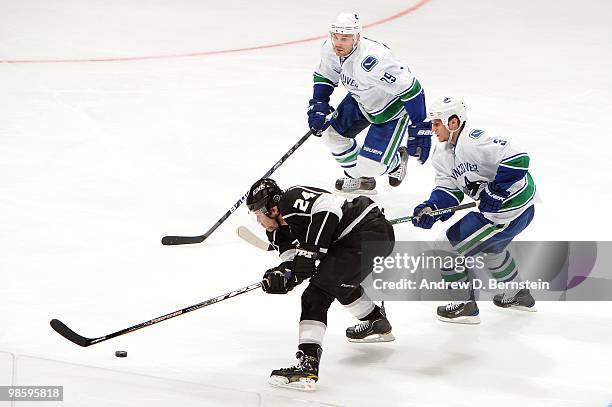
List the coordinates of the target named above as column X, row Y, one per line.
column 99, row 160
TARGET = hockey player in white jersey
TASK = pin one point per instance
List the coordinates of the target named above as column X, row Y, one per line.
column 382, row 94
column 493, row 171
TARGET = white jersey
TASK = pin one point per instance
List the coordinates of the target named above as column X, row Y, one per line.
column 374, row 78
column 474, row 161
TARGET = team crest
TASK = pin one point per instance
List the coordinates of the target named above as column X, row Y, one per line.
column 476, row 133
column 368, row 63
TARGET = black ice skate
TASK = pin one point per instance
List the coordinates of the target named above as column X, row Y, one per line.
column 371, row 331
column 360, row 186
column 521, row 300
column 397, row 175
column 302, row 376
column 459, row 313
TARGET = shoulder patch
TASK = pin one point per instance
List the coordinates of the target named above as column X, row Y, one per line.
column 476, row 133
column 368, row 63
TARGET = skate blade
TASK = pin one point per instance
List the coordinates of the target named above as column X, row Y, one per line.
column 471, row 320
column 524, row 308
column 388, row 337
column 303, row 384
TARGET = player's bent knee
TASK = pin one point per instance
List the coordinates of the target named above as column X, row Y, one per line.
column 334, row 140
column 315, row 303
column 370, row 168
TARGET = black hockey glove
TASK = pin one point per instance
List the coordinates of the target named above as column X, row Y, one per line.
column 304, row 262
column 279, row 279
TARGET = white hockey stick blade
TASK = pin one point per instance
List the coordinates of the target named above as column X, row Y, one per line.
column 245, row 234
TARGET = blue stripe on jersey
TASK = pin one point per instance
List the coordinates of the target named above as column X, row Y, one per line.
column 507, row 176
column 415, row 108
column 348, row 150
column 322, row 91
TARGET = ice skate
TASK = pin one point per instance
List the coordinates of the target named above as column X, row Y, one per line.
column 521, row 300
column 377, row 330
column 302, row 376
column 459, row 313
column 398, row 174
column 359, row 186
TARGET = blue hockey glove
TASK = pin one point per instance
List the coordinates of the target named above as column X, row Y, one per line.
column 279, row 279
column 491, row 198
column 421, row 218
column 419, row 140
column 317, row 115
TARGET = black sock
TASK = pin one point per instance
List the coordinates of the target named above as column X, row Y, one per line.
column 311, row 349
column 375, row 314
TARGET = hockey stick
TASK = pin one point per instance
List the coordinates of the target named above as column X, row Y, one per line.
column 250, row 237
column 436, row 212
column 176, row 240
column 74, row 337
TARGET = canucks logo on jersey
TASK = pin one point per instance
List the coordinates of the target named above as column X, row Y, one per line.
column 476, row 133
column 368, row 63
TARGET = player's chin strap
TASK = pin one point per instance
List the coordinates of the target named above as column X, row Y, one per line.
column 452, row 133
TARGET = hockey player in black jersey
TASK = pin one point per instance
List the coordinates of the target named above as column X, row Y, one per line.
column 307, row 225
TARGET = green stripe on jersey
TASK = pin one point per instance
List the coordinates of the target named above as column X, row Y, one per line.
column 395, row 107
column 521, row 197
column 399, row 132
column 412, row 92
column 480, row 237
column 456, row 193
column 389, row 113
column 349, row 158
column 505, row 272
column 517, row 162
column 321, row 79
column 451, row 278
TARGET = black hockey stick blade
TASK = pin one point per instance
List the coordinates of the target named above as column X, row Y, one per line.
column 61, row 328
column 176, row 240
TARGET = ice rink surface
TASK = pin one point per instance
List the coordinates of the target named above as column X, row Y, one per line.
column 119, row 126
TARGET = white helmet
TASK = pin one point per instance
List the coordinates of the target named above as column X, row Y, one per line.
column 346, row 23
column 445, row 108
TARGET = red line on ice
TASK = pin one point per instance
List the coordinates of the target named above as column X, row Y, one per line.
column 206, row 53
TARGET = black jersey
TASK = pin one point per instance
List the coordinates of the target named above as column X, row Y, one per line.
column 317, row 218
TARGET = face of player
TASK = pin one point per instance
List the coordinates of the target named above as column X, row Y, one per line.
column 441, row 132
column 268, row 221
column 344, row 43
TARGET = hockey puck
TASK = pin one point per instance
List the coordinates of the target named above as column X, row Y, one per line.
column 121, row 354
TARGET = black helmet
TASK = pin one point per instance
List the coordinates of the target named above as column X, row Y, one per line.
column 263, row 195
